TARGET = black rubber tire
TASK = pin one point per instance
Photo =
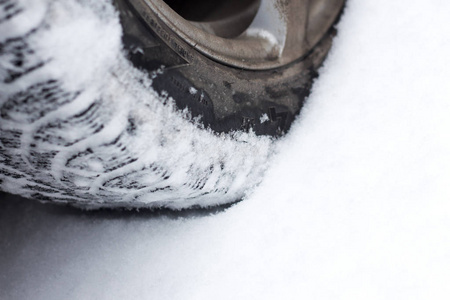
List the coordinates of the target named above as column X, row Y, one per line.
column 82, row 126
column 226, row 98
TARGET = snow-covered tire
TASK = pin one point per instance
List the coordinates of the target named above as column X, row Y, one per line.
column 80, row 124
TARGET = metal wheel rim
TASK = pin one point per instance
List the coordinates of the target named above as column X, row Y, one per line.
column 281, row 31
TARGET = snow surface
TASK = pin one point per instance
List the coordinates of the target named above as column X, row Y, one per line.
column 355, row 206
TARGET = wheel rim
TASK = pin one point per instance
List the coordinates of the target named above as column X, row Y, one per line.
column 250, row 34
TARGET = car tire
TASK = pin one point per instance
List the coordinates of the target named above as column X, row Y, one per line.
column 154, row 124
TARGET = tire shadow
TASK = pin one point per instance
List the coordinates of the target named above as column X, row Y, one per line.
column 38, row 241
column 13, row 204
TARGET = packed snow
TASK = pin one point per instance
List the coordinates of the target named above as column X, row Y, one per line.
column 354, row 206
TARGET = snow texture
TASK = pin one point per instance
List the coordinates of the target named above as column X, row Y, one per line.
column 355, row 206
column 80, row 125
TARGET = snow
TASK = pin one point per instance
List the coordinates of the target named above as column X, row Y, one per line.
column 192, row 90
column 354, row 206
column 264, row 118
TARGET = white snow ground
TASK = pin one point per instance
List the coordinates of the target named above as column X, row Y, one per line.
column 355, row 206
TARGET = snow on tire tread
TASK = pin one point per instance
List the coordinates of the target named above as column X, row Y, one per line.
column 80, row 125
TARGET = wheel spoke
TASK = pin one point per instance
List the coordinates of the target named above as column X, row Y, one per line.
column 285, row 23
column 297, row 26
